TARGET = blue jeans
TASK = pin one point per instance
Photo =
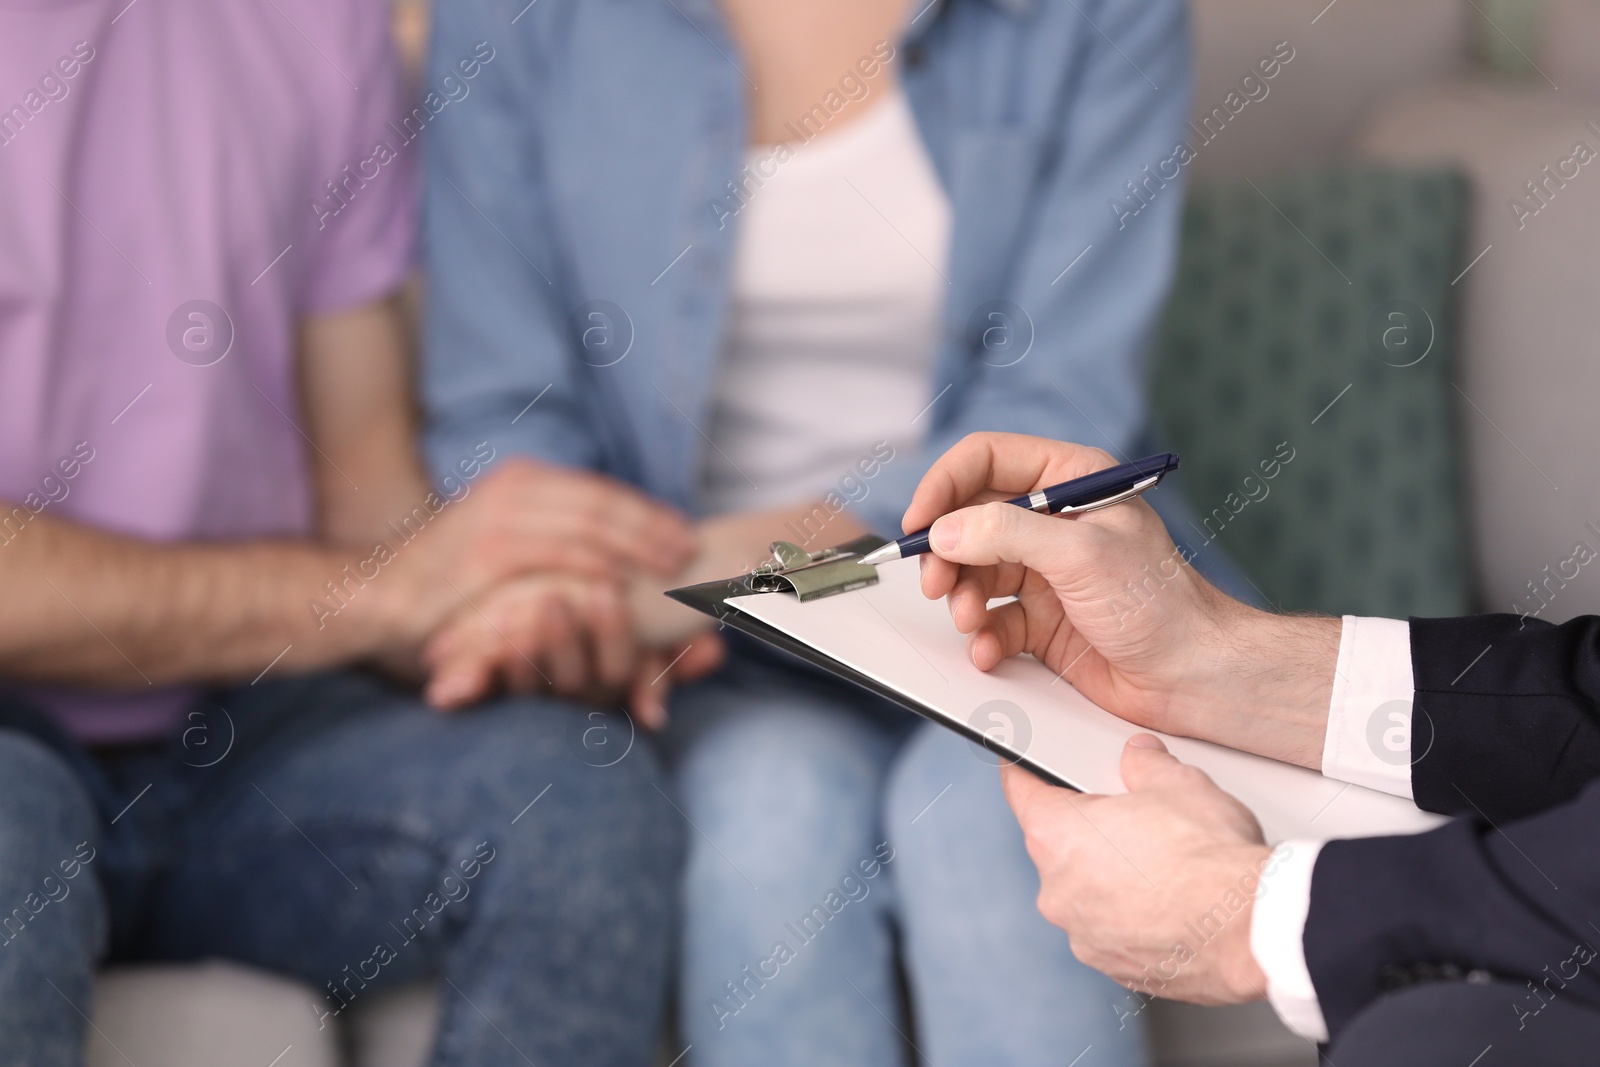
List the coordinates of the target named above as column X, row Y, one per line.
column 835, row 833
column 335, row 830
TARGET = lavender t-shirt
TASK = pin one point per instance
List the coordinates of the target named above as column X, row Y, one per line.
column 180, row 181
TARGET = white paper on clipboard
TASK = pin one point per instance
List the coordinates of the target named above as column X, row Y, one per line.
column 895, row 636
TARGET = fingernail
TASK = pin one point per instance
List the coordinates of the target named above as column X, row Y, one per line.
column 1145, row 741
column 955, row 603
column 946, row 534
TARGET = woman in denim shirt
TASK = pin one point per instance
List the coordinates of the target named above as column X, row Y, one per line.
column 766, row 262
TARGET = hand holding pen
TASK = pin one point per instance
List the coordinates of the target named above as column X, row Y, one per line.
column 1112, row 606
column 1098, row 490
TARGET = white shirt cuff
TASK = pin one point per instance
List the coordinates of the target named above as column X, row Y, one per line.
column 1368, row 742
column 1277, row 931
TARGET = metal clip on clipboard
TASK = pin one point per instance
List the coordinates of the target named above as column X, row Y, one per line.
column 811, row 575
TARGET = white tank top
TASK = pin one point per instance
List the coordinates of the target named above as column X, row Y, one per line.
column 836, row 299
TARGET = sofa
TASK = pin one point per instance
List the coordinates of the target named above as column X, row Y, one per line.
column 1406, row 82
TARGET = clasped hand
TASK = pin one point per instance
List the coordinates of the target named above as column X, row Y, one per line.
column 531, row 582
column 548, row 578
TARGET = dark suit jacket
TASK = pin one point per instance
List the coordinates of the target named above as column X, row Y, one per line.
column 1506, row 735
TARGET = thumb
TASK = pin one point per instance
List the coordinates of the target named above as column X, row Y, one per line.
column 1146, row 762
column 1024, row 790
column 1036, row 803
column 998, row 532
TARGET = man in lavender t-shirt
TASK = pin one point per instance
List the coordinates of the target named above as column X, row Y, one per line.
column 210, row 498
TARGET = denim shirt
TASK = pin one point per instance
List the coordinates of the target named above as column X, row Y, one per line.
column 581, row 204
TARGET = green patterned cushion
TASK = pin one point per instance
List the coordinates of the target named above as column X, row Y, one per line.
column 1298, row 293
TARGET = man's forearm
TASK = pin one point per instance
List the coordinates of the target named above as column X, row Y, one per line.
column 89, row 608
column 1267, row 685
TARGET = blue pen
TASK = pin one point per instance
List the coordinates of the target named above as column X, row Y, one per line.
column 1097, row 490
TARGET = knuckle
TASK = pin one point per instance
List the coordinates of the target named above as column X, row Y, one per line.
column 1040, row 844
column 591, row 506
column 995, row 518
column 976, row 439
column 606, row 602
column 513, row 473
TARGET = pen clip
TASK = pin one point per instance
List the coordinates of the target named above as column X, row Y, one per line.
column 1127, row 494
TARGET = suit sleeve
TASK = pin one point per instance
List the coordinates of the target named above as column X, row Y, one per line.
column 1507, row 715
column 1515, row 899
column 1505, row 734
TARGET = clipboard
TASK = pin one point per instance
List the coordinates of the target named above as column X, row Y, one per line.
column 711, row 598
column 864, row 628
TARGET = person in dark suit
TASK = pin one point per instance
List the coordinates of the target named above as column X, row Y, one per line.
column 1474, row 943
